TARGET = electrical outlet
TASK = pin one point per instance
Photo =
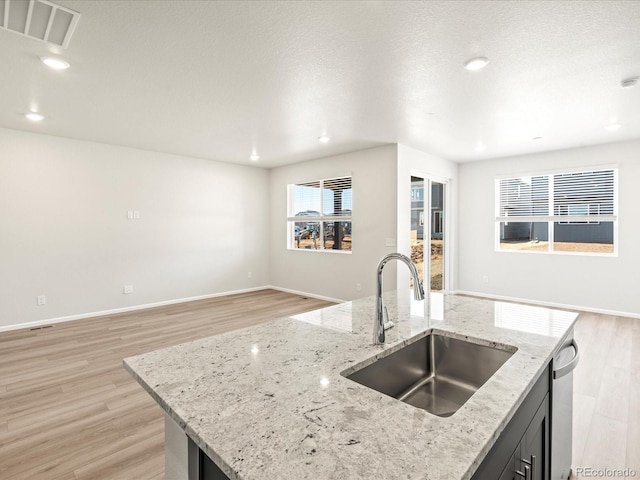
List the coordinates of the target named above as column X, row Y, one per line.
column 128, row 289
column 485, row 279
column 358, row 287
column 136, row 214
column 42, row 300
column 130, row 214
column 249, row 275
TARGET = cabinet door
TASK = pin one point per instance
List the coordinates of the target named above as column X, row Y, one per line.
column 504, row 462
column 534, row 447
column 509, row 472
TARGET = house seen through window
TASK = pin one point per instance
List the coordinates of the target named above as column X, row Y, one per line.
column 562, row 212
column 319, row 216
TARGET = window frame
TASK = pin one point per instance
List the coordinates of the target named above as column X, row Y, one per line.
column 320, row 219
column 553, row 219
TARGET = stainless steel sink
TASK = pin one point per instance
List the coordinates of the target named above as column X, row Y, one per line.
column 436, row 373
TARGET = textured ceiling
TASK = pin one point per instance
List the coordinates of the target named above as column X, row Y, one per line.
column 216, row 79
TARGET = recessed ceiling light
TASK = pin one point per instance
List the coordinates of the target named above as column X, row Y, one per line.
column 254, row 157
column 536, row 138
column 34, row 116
column 613, row 127
column 477, row 63
column 55, row 63
column 323, row 139
column 629, row 82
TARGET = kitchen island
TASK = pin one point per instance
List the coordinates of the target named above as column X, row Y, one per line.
column 272, row 401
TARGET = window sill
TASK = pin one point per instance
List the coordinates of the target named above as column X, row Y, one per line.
column 569, row 254
column 317, row 250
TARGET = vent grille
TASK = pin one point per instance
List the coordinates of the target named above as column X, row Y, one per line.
column 39, row 19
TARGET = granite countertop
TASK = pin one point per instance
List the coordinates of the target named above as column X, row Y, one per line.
column 270, row 402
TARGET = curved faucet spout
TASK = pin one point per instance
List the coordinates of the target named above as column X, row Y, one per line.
column 418, row 294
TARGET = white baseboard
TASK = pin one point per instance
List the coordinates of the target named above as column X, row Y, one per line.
column 305, row 294
column 548, row 304
column 50, row 321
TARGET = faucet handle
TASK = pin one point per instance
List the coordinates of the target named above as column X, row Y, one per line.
column 387, row 323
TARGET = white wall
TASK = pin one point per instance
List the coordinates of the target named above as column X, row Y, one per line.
column 65, row 233
column 414, row 162
column 601, row 283
column 204, row 225
column 331, row 274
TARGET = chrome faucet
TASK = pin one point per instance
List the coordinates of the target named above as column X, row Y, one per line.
column 380, row 325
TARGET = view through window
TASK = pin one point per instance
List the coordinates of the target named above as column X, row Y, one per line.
column 319, row 215
column 563, row 212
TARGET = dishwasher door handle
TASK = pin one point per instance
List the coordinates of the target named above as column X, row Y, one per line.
column 562, row 371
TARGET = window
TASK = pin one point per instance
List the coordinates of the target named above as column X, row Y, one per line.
column 319, row 216
column 573, row 212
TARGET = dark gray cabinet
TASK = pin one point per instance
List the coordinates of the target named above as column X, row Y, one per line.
column 509, row 470
column 534, row 448
column 530, row 458
column 522, row 450
column 201, row 467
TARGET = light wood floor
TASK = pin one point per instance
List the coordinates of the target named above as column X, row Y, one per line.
column 69, row 410
column 606, row 400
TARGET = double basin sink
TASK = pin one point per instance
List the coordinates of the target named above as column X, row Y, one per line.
column 436, row 373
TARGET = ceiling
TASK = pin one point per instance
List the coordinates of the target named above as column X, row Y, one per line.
column 217, row 80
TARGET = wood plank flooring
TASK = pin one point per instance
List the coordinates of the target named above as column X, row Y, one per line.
column 606, row 401
column 69, row 410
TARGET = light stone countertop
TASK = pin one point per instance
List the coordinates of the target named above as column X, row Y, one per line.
column 269, row 402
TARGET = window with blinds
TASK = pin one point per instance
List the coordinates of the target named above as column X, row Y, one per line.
column 572, row 212
column 319, row 216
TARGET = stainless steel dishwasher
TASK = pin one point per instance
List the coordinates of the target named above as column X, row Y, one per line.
column 565, row 360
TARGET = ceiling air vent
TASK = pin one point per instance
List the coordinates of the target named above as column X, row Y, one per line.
column 39, row 19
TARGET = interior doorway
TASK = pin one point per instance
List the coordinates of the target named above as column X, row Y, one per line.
column 428, row 215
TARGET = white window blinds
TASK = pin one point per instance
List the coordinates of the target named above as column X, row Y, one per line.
column 577, row 196
column 524, row 196
column 321, row 199
column 336, row 198
column 306, row 200
column 584, row 194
